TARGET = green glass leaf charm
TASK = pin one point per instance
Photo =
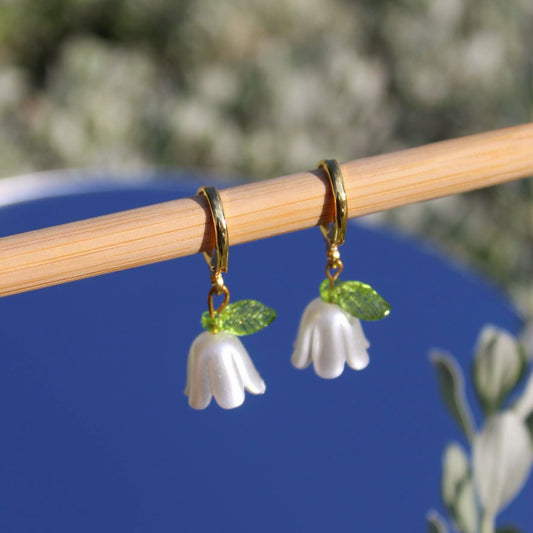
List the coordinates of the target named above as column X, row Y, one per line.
column 240, row 318
column 325, row 292
column 356, row 298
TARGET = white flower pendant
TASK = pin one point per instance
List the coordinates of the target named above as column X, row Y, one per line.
column 328, row 337
column 220, row 366
column 330, row 333
column 218, row 363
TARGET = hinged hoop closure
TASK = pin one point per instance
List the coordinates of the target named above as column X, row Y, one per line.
column 335, row 232
column 218, row 258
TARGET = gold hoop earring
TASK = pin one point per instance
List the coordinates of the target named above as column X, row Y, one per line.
column 217, row 260
column 330, row 332
column 218, row 364
column 335, row 233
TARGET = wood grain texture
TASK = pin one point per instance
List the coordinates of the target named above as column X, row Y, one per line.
column 263, row 209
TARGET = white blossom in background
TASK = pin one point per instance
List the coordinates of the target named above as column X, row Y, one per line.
column 477, row 486
column 219, row 366
column 498, row 365
column 502, row 458
column 329, row 337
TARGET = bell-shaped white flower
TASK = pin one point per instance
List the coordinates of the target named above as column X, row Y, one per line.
column 498, row 366
column 502, row 458
column 328, row 337
column 219, row 366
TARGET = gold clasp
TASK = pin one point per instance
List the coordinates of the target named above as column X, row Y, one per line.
column 218, row 258
column 335, row 232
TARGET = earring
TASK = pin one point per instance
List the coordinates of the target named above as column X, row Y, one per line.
column 218, row 364
column 330, row 332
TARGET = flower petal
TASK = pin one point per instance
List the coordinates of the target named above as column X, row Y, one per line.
column 301, row 357
column 249, row 375
column 226, row 383
column 356, row 345
column 328, row 349
column 198, row 388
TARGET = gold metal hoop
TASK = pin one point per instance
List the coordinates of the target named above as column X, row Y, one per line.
column 218, row 258
column 335, row 233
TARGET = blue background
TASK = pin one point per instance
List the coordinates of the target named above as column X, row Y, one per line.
column 97, row 435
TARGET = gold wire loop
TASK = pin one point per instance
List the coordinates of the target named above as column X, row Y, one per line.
column 333, row 271
column 218, row 258
column 210, row 295
column 335, row 233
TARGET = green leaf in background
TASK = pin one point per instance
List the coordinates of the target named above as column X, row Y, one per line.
column 528, row 421
column 524, row 404
column 455, row 469
column 508, row 529
column 458, row 490
column 241, row 318
column 452, row 389
column 356, row 298
column 465, row 511
column 435, row 523
column 499, row 366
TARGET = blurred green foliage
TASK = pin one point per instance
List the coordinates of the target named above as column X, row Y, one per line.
column 265, row 88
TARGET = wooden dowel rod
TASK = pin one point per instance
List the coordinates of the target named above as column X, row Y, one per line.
column 263, row 209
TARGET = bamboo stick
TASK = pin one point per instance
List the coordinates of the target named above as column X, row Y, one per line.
column 263, row 209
